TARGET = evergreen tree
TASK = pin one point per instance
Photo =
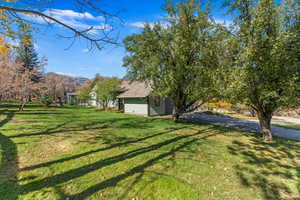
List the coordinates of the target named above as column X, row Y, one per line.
column 27, row 55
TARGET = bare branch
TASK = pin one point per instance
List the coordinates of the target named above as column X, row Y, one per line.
column 97, row 42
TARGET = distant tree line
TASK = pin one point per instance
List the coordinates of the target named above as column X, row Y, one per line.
column 22, row 77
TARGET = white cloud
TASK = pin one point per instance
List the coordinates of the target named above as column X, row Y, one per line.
column 138, row 24
column 85, row 50
column 141, row 24
column 65, row 74
column 57, row 13
column 78, row 20
column 224, row 22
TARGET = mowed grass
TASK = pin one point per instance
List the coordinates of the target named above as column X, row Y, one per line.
column 82, row 153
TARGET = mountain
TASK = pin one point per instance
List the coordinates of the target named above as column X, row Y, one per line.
column 80, row 80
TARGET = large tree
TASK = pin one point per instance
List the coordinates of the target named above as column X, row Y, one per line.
column 264, row 67
column 177, row 57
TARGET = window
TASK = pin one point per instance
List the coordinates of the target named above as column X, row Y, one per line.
column 157, row 101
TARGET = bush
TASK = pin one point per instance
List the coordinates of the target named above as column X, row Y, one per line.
column 46, row 100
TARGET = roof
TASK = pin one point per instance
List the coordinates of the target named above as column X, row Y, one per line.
column 134, row 89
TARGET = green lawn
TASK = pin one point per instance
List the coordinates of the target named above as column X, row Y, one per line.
column 80, row 153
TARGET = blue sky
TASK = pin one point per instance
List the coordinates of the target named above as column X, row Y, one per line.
column 77, row 61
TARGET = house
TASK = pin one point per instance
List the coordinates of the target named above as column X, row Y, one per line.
column 135, row 98
column 72, row 98
column 93, row 100
column 93, row 97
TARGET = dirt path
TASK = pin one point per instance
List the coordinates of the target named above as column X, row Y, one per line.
column 247, row 125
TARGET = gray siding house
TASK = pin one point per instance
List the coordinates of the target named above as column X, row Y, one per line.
column 135, row 98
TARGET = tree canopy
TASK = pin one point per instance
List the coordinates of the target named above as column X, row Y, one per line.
column 27, row 55
column 263, row 60
column 178, row 56
column 107, row 91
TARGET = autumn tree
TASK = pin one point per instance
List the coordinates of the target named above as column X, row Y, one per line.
column 6, row 71
column 58, row 85
column 24, row 86
column 264, row 72
column 177, row 57
column 15, row 80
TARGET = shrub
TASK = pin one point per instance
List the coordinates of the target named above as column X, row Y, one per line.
column 46, row 100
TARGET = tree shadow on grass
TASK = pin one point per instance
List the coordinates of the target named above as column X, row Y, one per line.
column 111, row 146
column 12, row 189
column 81, row 171
column 8, row 118
column 270, row 167
column 8, row 164
column 127, row 123
column 112, row 182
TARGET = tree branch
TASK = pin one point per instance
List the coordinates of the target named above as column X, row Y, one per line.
column 77, row 33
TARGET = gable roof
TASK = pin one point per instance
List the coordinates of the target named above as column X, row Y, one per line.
column 134, row 89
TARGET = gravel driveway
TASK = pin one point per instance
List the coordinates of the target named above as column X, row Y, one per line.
column 247, row 125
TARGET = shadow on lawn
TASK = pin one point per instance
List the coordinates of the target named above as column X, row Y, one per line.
column 136, row 170
column 53, row 181
column 119, row 144
column 269, row 167
column 127, row 123
column 8, row 164
column 266, row 166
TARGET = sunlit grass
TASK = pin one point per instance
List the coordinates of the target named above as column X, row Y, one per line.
column 81, row 153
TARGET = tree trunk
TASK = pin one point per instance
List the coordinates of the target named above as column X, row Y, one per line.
column 176, row 114
column 252, row 112
column 265, row 124
column 22, row 105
